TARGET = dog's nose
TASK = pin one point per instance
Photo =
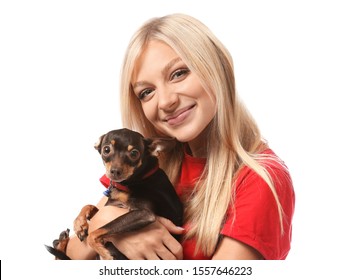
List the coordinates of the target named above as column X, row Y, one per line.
column 116, row 172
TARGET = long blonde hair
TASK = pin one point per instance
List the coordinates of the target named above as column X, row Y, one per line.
column 240, row 142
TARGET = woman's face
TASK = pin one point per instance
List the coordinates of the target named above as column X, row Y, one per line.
column 172, row 96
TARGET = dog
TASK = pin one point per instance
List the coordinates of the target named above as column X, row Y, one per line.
column 136, row 183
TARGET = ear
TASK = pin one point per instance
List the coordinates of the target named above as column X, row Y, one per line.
column 98, row 144
column 158, row 145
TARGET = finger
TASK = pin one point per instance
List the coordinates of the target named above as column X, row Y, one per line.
column 171, row 227
column 174, row 247
column 165, row 254
column 151, row 256
column 134, row 255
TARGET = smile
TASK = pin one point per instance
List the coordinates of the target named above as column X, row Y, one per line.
column 179, row 116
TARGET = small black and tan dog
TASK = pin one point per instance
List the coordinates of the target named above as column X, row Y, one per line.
column 136, row 183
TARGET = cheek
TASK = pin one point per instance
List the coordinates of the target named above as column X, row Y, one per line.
column 210, row 107
column 150, row 111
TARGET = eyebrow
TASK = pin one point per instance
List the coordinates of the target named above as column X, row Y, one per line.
column 169, row 65
column 163, row 71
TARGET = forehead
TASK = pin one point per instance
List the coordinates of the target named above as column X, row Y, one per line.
column 154, row 57
column 123, row 140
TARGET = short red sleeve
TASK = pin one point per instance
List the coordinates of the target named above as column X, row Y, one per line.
column 254, row 220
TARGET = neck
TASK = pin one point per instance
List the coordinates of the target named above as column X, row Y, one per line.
column 148, row 168
column 124, row 185
column 198, row 146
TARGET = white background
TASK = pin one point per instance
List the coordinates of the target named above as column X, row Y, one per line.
column 59, row 82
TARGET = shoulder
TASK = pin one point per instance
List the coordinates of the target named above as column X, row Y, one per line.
column 254, row 217
column 255, row 192
column 274, row 167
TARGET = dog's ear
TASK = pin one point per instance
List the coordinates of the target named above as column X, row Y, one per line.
column 98, row 144
column 158, row 145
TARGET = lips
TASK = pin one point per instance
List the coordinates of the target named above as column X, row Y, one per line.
column 179, row 116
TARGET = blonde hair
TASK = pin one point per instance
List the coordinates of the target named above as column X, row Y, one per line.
column 240, row 142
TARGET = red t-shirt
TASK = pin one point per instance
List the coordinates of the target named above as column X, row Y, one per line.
column 256, row 215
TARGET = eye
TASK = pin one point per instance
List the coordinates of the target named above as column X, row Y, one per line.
column 145, row 93
column 180, row 73
column 134, row 154
column 106, row 150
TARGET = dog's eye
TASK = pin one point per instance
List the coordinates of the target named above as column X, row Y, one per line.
column 106, row 150
column 134, row 154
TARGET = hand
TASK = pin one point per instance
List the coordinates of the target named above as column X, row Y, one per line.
column 153, row 242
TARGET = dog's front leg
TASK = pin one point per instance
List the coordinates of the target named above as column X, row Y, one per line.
column 131, row 221
column 81, row 221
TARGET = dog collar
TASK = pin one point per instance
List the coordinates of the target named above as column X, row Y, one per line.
column 151, row 172
column 116, row 185
column 123, row 187
column 119, row 186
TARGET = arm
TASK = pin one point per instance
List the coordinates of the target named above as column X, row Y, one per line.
column 152, row 242
column 232, row 249
column 78, row 250
column 255, row 218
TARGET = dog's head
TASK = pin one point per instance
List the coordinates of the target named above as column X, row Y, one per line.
column 126, row 152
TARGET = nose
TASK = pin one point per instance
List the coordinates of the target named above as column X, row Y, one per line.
column 167, row 99
column 116, row 172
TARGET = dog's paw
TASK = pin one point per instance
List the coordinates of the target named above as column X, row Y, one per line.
column 81, row 227
column 62, row 242
column 106, row 257
column 81, row 222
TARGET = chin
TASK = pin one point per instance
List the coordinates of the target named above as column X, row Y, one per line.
column 185, row 137
column 183, row 133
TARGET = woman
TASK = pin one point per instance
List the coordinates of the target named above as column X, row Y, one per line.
column 178, row 81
